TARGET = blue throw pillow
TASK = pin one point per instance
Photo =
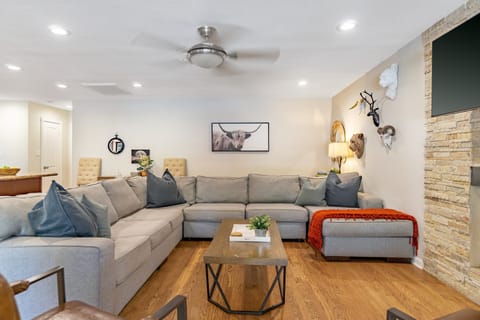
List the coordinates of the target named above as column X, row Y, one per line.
column 162, row 191
column 312, row 195
column 100, row 213
column 59, row 214
column 342, row 193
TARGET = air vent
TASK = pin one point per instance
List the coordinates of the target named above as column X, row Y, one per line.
column 105, row 88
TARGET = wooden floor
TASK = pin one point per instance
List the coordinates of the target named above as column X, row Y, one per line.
column 316, row 289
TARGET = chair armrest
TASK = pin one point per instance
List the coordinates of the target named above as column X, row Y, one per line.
column 367, row 200
column 23, row 285
column 179, row 303
column 395, row 314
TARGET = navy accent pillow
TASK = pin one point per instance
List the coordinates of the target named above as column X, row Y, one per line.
column 342, row 193
column 100, row 212
column 59, row 214
column 162, row 191
column 312, row 195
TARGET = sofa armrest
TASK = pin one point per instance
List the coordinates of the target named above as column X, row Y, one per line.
column 88, row 265
column 366, row 200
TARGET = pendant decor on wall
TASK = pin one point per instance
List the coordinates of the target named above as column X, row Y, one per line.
column 115, row 145
column 240, row 136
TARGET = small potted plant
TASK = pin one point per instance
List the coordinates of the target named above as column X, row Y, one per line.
column 144, row 164
column 260, row 224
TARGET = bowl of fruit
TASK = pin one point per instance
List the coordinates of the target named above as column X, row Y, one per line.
column 8, row 171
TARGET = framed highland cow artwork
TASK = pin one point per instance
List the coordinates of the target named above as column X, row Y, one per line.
column 240, row 136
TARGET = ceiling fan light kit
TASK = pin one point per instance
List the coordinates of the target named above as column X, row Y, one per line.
column 206, row 55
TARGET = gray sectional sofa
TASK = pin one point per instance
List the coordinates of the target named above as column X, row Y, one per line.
column 107, row 272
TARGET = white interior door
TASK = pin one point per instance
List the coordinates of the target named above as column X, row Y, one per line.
column 51, row 152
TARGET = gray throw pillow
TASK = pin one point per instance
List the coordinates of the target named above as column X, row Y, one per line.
column 100, row 212
column 312, row 195
column 59, row 214
column 342, row 193
column 162, row 191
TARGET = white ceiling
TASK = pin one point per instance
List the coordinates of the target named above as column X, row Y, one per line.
column 100, row 48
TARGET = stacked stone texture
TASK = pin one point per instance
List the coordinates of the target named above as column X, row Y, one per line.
column 452, row 146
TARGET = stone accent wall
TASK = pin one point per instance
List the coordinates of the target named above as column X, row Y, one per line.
column 452, row 146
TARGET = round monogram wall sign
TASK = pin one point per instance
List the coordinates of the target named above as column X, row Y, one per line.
column 115, row 145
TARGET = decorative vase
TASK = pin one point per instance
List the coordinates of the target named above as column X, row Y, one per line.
column 143, row 173
column 260, row 232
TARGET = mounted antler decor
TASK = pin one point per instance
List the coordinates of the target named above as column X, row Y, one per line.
column 368, row 98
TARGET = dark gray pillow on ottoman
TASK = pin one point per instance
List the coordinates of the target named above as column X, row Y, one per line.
column 162, row 191
column 342, row 193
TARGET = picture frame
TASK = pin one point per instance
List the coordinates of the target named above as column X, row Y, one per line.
column 137, row 154
column 240, row 136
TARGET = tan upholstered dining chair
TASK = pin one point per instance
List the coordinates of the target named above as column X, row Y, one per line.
column 88, row 170
column 71, row 310
column 176, row 166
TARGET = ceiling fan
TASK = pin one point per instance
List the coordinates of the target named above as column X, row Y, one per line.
column 208, row 54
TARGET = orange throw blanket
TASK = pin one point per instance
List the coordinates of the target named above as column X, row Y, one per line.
column 315, row 230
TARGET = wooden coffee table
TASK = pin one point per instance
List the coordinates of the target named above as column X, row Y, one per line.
column 221, row 251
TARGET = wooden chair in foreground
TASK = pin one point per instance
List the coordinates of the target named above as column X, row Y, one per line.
column 465, row 314
column 71, row 310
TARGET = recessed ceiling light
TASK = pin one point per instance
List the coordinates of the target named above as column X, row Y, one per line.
column 302, row 83
column 347, row 25
column 13, row 67
column 137, row 85
column 62, row 86
column 58, row 30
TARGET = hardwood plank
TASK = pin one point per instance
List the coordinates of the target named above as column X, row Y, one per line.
column 316, row 288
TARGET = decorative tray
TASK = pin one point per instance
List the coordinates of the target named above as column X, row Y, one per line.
column 241, row 233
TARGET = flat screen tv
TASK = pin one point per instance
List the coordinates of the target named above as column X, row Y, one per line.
column 456, row 69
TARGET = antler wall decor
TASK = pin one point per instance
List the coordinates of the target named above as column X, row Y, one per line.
column 368, row 98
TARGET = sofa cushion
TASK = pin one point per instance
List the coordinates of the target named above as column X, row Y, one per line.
column 162, row 191
column 187, row 186
column 214, row 211
column 272, row 188
column 156, row 230
column 173, row 214
column 281, row 212
column 14, row 216
column 97, row 193
column 123, row 197
column 130, row 253
column 312, row 195
column 59, row 214
column 367, row 228
column 342, row 193
column 222, row 189
column 139, row 186
column 101, row 216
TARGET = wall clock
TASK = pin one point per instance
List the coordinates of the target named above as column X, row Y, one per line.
column 115, row 145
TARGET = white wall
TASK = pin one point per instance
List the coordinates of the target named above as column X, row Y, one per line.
column 298, row 134
column 14, row 134
column 395, row 175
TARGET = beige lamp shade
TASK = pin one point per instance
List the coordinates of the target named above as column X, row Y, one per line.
column 339, row 149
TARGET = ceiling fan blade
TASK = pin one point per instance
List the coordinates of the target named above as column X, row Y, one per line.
column 148, row 40
column 227, row 69
column 228, row 33
column 267, row 55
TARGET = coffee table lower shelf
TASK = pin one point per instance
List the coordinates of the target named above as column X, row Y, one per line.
column 278, row 281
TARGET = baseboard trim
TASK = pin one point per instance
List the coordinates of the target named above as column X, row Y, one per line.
column 418, row 262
